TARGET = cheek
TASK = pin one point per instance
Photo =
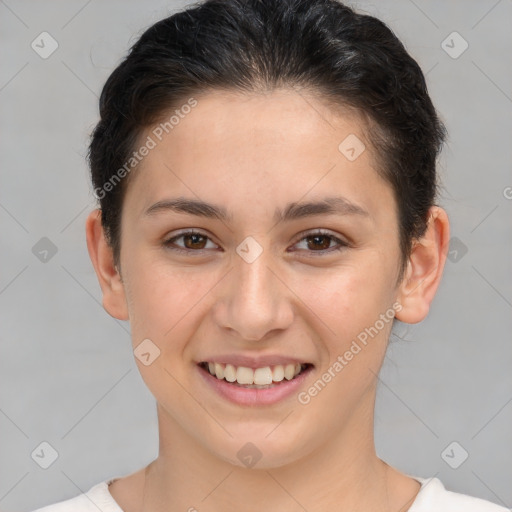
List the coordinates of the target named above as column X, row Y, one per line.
column 350, row 303
column 347, row 299
column 165, row 304
column 164, row 300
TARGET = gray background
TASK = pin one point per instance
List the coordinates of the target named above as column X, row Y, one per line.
column 68, row 373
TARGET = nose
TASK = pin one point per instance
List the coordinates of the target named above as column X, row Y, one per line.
column 255, row 302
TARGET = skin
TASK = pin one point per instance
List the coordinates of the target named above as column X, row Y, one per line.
column 254, row 153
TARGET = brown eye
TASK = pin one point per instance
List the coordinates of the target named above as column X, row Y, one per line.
column 193, row 241
column 320, row 242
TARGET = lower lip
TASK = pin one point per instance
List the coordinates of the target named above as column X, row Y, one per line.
column 253, row 396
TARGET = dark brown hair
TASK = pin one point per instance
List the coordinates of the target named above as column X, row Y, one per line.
column 351, row 59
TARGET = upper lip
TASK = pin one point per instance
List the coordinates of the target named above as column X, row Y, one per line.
column 252, row 361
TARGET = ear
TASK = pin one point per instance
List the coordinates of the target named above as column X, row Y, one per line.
column 424, row 269
column 102, row 257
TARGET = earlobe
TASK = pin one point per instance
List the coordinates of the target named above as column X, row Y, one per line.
column 101, row 254
column 424, row 269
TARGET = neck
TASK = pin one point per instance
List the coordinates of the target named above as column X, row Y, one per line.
column 344, row 474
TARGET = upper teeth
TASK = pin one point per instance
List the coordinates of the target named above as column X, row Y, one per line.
column 259, row 376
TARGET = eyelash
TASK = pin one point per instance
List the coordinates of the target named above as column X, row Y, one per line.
column 341, row 244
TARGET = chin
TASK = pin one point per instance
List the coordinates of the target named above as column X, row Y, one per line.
column 256, row 449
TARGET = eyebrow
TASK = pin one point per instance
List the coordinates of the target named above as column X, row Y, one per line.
column 292, row 211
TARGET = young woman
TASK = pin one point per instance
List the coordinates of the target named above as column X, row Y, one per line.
column 266, row 172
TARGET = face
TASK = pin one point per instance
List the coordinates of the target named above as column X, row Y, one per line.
column 261, row 282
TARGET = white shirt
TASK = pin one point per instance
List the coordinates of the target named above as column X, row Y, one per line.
column 432, row 497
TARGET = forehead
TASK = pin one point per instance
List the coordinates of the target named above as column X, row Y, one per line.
column 258, row 146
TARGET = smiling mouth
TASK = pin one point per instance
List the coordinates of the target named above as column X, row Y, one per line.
column 260, row 378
